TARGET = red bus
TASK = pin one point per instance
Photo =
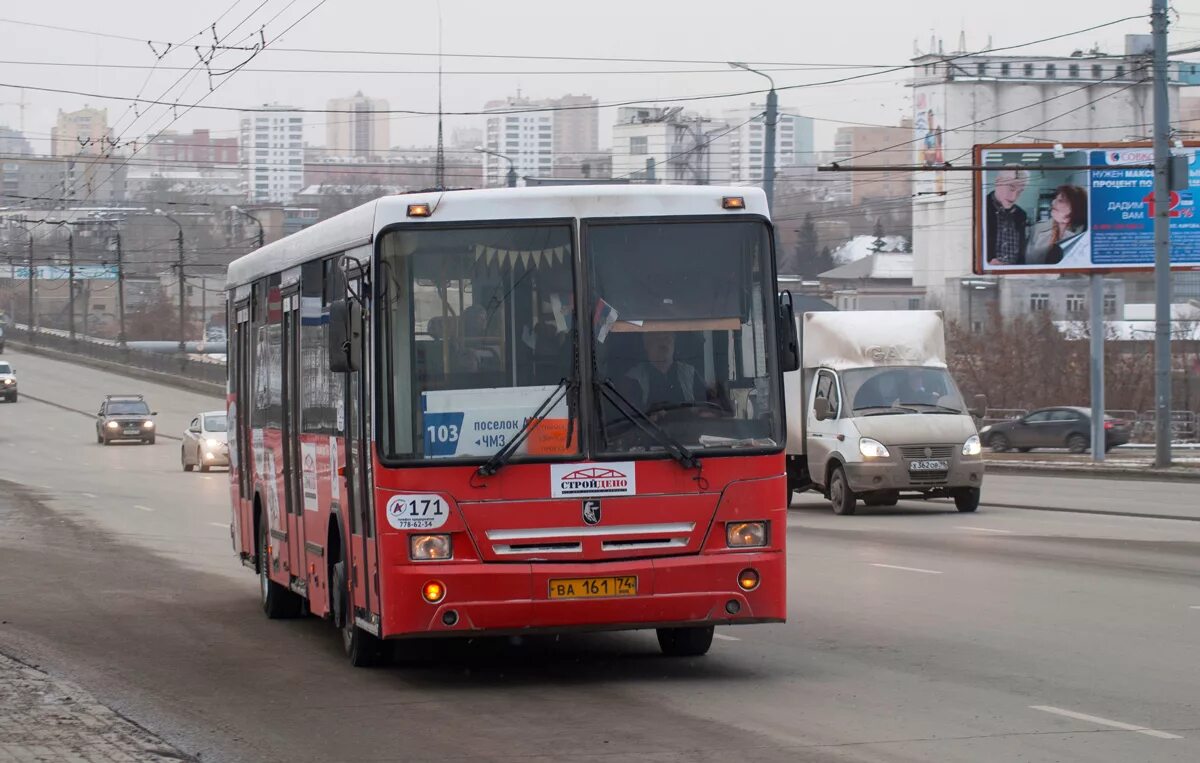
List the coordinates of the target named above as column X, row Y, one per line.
column 515, row 411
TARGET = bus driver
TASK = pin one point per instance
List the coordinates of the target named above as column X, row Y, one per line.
column 660, row 381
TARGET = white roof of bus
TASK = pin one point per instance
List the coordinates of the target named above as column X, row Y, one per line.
column 358, row 226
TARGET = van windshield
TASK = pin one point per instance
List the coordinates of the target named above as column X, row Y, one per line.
column 902, row 389
column 5, row 368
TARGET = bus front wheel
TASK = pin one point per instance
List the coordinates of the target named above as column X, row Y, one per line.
column 363, row 649
column 685, row 642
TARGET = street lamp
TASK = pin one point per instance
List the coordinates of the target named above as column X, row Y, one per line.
column 238, row 210
column 512, row 172
column 772, row 117
column 182, row 285
column 31, row 318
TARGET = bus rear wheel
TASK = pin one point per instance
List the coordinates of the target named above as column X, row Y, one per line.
column 685, row 642
column 277, row 601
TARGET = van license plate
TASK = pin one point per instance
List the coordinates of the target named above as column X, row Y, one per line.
column 928, row 466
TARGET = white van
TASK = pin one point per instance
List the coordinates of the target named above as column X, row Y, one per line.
column 874, row 414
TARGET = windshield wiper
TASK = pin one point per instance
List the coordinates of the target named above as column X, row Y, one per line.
column 885, row 410
column 502, row 456
column 674, row 447
column 946, row 408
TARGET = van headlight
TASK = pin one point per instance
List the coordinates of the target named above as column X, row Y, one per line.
column 972, row 447
column 872, row 448
column 214, row 444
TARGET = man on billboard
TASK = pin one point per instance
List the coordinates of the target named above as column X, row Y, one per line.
column 1007, row 223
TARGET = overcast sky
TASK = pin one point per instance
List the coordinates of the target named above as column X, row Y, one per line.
column 785, row 31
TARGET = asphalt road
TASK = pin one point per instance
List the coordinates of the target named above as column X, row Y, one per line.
column 914, row 634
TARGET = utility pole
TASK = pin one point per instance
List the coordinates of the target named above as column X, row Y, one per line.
column 511, row 180
column 120, row 290
column 31, row 318
column 182, row 283
column 1096, row 305
column 1162, row 240
column 70, row 277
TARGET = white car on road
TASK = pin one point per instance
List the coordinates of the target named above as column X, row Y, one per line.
column 206, row 442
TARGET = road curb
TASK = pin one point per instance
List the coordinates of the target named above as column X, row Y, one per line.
column 1090, row 472
column 134, row 372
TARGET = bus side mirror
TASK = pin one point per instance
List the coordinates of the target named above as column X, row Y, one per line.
column 789, row 338
column 979, row 407
column 345, row 336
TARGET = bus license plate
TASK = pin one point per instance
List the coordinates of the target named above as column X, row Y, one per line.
column 593, row 588
column 928, row 466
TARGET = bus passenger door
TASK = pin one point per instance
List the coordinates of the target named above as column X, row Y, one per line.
column 239, row 428
column 360, row 513
column 292, row 466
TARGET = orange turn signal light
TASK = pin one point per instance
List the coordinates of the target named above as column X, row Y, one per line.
column 433, row 591
column 419, row 210
column 733, row 202
column 748, row 579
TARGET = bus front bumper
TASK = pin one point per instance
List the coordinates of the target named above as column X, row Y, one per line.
column 516, row 598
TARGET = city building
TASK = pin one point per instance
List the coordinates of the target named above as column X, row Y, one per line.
column 197, row 150
column 880, row 145
column 13, row 143
column 880, row 281
column 80, row 132
column 668, row 145
column 746, row 135
column 533, row 133
column 357, row 128
column 1088, row 96
column 272, row 153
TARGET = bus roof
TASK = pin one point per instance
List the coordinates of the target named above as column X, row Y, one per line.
column 357, row 227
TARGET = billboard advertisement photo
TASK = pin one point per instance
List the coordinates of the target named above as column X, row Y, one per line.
column 1095, row 214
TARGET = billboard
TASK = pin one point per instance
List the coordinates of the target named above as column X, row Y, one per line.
column 929, row 132
column 1094, row 215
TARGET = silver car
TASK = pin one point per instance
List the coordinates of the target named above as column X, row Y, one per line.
column 206, row 442
column 8, row 382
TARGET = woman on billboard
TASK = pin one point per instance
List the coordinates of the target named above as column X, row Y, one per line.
column 1063, row 234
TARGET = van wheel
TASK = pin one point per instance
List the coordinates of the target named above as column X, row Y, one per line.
column 277, row 602
column 1077, row 443
column 363, row 649
column 685, row 642
column 966, row 499
column 840, row 495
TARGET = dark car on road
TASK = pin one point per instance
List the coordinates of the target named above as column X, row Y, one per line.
column 1063, row 427
column 125, row 417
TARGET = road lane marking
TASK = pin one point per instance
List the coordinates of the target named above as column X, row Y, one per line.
column 1104, row 722
column 88, row 495
column 143, row 508
column 1194, row 607
column 222, row 525
column 983, row 529
column 723, row 637
column 906, row 569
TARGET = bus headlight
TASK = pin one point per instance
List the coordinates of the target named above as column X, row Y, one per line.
column 745, row 534
column 427, row 548
column 972, row 447
column 872, row 448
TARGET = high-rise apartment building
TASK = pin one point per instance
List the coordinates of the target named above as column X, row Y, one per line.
column 883, row 145
column 357, row 129
column 80, row 132
column 747, row 147
column 533, row 134
column 272, row 153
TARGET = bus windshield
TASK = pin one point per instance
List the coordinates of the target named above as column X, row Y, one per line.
column 680, row 335
column 477, row 336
